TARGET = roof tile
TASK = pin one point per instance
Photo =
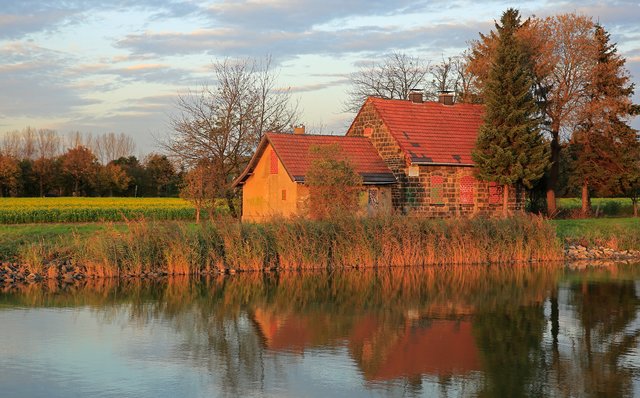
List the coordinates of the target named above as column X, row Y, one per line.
column 432, row 132
column 294, row 153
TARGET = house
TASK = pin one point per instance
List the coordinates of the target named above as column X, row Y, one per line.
column 273, row 182
column 414, row 157
column 428, row 147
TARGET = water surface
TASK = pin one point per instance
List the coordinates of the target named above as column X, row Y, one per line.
column 486, row 331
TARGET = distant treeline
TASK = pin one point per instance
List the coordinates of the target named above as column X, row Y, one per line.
column 45, row 163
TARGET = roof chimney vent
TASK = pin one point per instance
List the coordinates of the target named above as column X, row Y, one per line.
column 446, row 98
column 415, row 96
column 299, row 129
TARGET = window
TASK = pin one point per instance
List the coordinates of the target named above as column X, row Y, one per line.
column 495, row 193
column 284, row 194
column 437, row 185
column 467, row 190
column 274, row 162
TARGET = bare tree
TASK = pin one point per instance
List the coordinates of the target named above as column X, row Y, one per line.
column 443, row 78
column 47, row 147
column 111, row 146
column 392, row 78
column 47, row 144
column 11, row 144
column 223, row 123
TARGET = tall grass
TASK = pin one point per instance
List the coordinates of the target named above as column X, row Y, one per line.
column 178, row 248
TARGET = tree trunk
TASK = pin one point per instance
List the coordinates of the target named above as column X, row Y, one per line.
column 197, row 214
column 586, row 200
column 232, row 207
column 554, row 172
column 505, row 200
column 635, row 207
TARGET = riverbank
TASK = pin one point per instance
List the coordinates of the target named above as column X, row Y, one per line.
column 154, row 249
column 136, row 248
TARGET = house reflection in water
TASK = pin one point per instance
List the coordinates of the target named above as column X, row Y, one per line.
column 384, row 349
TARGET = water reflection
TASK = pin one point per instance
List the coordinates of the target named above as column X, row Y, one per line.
column 460, row 331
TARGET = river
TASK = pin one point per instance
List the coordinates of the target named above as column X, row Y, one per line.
column 486, row 331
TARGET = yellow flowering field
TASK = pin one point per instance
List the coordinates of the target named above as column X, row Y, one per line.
column 38, row 210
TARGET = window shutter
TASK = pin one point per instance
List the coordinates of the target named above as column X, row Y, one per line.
column 495, row 193
column 437, row 185
column 274, row 162
column 467, row 190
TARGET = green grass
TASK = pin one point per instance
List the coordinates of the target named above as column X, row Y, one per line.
column 13, row 237
column 617, row 233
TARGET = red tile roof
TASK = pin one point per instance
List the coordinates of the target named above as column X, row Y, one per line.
column 294, row 153
column 431, row 132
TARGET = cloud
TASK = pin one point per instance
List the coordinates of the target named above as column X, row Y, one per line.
column 21, row 17
column 237, row 42
column 34, row 82
column 300, row 15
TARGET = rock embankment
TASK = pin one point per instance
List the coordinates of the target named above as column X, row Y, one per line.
column 579, row 252
column 66, row 272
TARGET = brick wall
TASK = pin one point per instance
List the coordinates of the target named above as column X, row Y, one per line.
column 438, row 191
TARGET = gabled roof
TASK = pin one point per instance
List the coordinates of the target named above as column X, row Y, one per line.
column 293, row 151
column 431, row 132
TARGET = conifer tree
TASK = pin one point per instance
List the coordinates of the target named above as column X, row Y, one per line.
column 510, row 150
column 605, row 149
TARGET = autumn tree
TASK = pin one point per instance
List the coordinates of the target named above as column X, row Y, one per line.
column 333, row 183
column 9, row 176
column 81, row 166
column 159, row 173
column 223, row 123
column 510, row 150
column 605, row 148
column 392, row 78
column 136, row 173
column 200, row 188
column 111, row 178
column 561, row 48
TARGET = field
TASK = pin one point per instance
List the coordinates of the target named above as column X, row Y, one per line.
column 56, row 210
column 608, row 207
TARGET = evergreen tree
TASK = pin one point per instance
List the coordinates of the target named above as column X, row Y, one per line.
column 510, row 150
column 605, row 148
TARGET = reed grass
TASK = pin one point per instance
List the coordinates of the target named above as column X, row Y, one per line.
column 179, row 248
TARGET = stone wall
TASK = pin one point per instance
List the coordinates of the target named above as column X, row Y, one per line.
column 437, row 191
column 367, row 123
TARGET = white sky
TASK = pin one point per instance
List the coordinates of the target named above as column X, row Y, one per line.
column 100, row 66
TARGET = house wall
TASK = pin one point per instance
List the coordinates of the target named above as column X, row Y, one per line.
column 368, row 123
column 416, row 195
column 373, row 200
column 453, row 191
column 262, row 192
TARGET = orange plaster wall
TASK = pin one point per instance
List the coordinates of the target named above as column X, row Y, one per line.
column 262, row 192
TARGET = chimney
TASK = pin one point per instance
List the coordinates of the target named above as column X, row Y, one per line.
column 299, row 129
column 446, row 98
column 415, row 96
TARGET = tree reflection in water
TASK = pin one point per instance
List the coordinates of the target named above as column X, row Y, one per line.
column 483, row 331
